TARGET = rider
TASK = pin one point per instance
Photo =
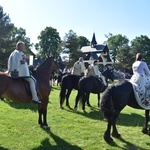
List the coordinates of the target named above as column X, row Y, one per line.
column 78, row 67
column 141, row 77
column 140, row 69
column 16, row 62
column 95, row 71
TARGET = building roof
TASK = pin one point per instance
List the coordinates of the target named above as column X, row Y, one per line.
column 96, row 51
column 99, row 48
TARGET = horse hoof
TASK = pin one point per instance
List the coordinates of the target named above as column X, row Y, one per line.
column 61, row 107
column 89, row 105
column 84, row 111
column 116, row 135
column 108, row 139
column 75, row 109
column 69, row 107
column 45, row 127
column 145, row 131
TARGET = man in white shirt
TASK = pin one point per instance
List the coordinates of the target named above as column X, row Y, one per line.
column 16, row 62
column 94, row 67
column 79, row 67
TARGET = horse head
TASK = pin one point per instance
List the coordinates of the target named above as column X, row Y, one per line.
column 109, row 73
column 45, row 70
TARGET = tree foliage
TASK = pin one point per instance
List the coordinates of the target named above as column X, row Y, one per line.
column 83, row 41
column 124, row 58
column 49, row 41
column 9, row 36
column 71, row 44
column 115, row 42
column 5, row 43
column 141, row 44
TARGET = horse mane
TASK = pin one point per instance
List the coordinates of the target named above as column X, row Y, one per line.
column 43, row 64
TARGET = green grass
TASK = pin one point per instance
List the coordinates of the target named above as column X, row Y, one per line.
column 69, row 130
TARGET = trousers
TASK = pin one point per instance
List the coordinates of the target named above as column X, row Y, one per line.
column 32, row 83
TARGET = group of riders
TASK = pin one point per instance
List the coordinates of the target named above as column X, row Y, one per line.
column 93, row 70
column 79, row 69
column 17, row 64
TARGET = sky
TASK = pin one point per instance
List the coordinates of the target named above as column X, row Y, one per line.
column 85, row 17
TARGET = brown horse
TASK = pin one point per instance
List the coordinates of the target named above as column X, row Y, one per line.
column 15, row 89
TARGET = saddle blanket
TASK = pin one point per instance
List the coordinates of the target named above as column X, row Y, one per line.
column 142, row 96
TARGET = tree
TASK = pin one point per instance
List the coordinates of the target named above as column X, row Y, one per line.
column 115, row 42
column 19, row 34
column 141, row 44
column 124, row 58
column 49, row 42
column 72, row 46
column 9, row 36
column 5, row 44
column 83, row 41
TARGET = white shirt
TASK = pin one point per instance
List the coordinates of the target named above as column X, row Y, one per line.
column 78, row 68
column 14, row 63
column 141, row 68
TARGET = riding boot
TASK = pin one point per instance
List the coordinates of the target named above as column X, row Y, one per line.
column 103, row 79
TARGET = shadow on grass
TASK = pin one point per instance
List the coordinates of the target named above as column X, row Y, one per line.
column 132, row 119
column 2, row 148
column 16, row 105
column 127, row 145
column 60, row 143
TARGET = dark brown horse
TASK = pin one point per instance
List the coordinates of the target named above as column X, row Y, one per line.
column 15, row 89
column 114, row 99
column 70, row 82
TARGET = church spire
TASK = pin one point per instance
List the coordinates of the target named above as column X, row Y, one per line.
column 93, row 42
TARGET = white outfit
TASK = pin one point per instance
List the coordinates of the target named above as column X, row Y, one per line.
column 97, row 73
column 16, row 62
column 141, row 83
column 78, row 68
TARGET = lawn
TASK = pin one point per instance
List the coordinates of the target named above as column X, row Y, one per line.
column 69, row 130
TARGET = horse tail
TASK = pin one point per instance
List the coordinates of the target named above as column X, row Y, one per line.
column 107, row 107
column 62, row 94
column 79, row 94
column 82, row 93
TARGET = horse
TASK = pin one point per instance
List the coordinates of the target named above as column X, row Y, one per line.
column 114, row 99
column 70, row 82
column 16, row 89
column 86, row 86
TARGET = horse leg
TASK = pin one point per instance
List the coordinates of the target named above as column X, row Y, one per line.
column 145, row 127
column 45, row 125
column 62, row 96
column 87, row 96
column 106, row 136
column 67, row 98
column 98, row 97
column 84, row 99
column 43, row 117
column 40, row 117
column 115, row 131
column 76, row 101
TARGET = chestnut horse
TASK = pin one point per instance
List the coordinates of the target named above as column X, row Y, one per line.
column 15, row 89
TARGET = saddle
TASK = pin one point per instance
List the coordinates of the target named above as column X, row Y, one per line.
column 27, row 86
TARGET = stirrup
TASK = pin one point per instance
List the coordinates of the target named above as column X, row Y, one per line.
column 36, row 101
